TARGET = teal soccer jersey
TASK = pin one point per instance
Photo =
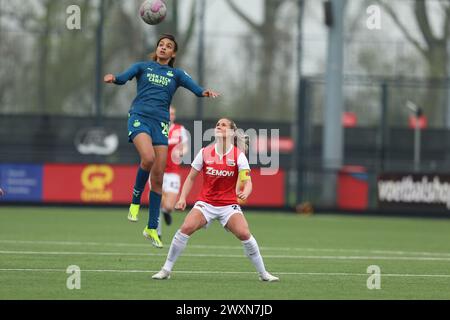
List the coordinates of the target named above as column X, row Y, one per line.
column 156, row 85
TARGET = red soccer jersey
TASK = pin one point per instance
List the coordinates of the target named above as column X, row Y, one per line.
column 177, row 136
column 220, row 174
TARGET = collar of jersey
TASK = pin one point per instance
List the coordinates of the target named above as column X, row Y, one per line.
column 222, row 155
column 162, row 65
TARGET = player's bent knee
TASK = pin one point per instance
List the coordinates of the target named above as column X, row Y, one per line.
column 243, row 235
column 147, row 162
column 156, row 180
column 188, row 229
column 167, row 209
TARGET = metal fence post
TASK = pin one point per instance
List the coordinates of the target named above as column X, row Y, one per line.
column 302, row 139
column 384, row 127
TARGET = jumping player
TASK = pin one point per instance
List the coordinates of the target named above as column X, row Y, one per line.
column 148, row 122
column 221, row 164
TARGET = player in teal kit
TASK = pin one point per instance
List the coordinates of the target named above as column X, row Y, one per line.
column 148, row 122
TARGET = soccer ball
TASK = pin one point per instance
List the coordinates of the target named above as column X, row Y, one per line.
column 153, row 11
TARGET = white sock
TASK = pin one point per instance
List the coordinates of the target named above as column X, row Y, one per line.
column 159, row 229
column 177, row 246
column 252, row 251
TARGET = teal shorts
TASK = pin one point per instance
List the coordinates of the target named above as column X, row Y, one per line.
column 157, row 130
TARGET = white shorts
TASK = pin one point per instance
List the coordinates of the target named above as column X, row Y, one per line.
column 171, row 183
column 222, row 213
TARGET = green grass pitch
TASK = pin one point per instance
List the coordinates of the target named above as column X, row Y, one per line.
column 316, row 257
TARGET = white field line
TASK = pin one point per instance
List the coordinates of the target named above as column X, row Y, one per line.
column 118, row 244
column 81, row 253
column 232, row 272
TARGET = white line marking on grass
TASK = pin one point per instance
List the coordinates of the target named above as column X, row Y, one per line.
column 76, row 243
column 118, row 244
column 225, row 255
column 78, row 253
column 231, row 272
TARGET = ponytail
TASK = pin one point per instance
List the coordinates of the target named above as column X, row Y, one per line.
column 241, row 141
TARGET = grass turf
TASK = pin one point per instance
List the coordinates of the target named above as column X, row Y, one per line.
column 316, row 257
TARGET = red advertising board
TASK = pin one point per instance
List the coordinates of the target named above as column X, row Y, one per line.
column 113, row 184
column 94, row 183
column 353, row 188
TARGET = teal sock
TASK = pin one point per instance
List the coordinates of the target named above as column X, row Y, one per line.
column 153, row 210
column 139, row 185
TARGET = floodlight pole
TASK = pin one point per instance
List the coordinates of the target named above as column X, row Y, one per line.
column 1, row 13
column 299, row 126
column 200, row 54
column 333, row 133
column 447, row 115
column 98, row 63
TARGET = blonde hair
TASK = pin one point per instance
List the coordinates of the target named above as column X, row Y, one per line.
column 240, row 139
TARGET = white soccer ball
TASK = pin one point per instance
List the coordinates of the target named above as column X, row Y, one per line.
column 153, row 11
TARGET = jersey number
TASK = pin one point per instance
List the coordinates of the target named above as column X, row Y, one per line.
column 165, row 129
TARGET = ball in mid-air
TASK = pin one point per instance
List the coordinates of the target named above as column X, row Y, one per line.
column 153, row 11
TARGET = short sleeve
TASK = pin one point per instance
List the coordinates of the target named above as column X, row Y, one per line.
column 197, row 164
column 243, row 162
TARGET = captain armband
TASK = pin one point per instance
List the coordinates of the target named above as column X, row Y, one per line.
column 244, row 175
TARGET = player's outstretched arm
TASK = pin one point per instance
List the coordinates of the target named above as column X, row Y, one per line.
column 109, row 78
column 210, row 93
column 187, row 186
column 122, row 78
column 187, row 82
